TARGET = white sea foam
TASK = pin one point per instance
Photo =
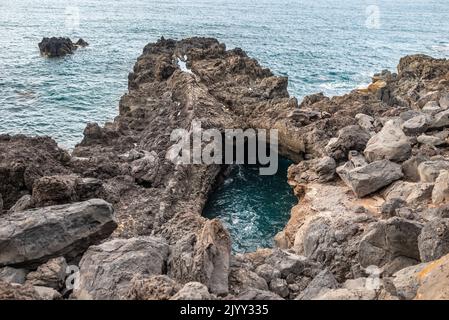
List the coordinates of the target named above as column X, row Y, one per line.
column 182, row 64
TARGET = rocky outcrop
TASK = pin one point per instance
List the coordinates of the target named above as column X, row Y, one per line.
column 31, row 237
column 59, row 47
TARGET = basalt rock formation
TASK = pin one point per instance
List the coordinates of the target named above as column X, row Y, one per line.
column 370, row 177
column 58, row 47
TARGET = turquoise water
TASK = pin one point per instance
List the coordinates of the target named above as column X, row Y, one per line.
column 254, row 208
column 322, row 45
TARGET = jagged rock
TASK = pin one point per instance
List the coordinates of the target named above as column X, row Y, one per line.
column 416, row 125
column 53, row 190
column 390, row 206
column 34, row 236
column 145, row 169
column 106, row 270
column 332, row 240
column 391, row 245
column 45, row 293
column 81, row 43
column 58, row 47
column 430, row 170
column 440, row 193
column 158, row 287
column 13, row 275
column 406, row 281
column 433, row 241
column 349, row 138
column 11, row 291
column 193, row 291
column 321, row 170
column 255, row 294
column 25, row 159
column 24, row 203
column 51, row 274
column 434, row 281
column 390, row 143
column 323, row 282
column 371, row 177
column 203, row 257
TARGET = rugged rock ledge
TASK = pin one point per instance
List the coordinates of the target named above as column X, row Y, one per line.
column 371, row 178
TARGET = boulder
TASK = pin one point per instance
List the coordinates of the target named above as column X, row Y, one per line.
column 371, row 177
column 433, row 242
column 429, row 171
column 391, row 244
column 431, row 107
column 53, row 190
column 56, row 47
column 13, row 275
column 412, row 193
column 349, row 138
column 416, row 125
column 323, row 282
column 203, row 257
column 241, row 279
column 159, row 287
column 81, row 43
column 320, row 170
column 406, row 281
column 390, row 144
column 45, row 293
column 51, row 274
column 32, row 237
column 365, row 121
column 106, row 270
column 441, row 120
column 193, row 291
column 430, row 140
column 410, row 167
column 440, row 193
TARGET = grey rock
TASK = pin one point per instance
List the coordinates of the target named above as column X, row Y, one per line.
column 255, row 294
column 241, row 279
column 430, row 140
column 416, row 125
column 13, row 275
column 324, row 281
column 51, row 274
column 371, row 177
column 45, row 293
column 406, row 281
column 349, row 138
column 280, row 287
column 430, row 170
column 390, row 143
column 32, row 237
column 106, row 270
column 391, row 245
column 441, row 120
column 433, row 241
column 268, row 272
column 440, row 193
column 444, row 101
column 365, row 121
column 431, row 107
column 347, row 294
column 193, row 291
column 320, row 170
column 412, row 193
column 159, row 287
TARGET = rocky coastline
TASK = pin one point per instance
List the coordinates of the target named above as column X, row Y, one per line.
column 371, row 175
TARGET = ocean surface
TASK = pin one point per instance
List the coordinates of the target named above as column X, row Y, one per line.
column 325, row 46
column 252, row 207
